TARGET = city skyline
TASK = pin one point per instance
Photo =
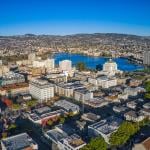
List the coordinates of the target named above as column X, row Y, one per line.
column 71, row 17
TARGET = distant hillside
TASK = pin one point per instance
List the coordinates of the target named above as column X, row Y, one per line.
column 81, row 42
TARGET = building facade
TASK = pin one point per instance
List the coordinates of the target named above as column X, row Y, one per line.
column 146, row 58
column 41, row 90
column 65, row 65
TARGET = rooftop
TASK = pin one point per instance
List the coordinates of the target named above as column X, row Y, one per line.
column 20, row 141
column 108, row 125
column 43, row 112
column 96, row 102
column 41, row 83
column 71, row 85
column 90, row 116
column 67, row 105
column 82, row 90
column 74, row 141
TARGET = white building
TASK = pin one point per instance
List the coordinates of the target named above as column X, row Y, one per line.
column 12, row 78
column 67, row 89
column 109, row 83
column 63, row 138
column 110, row 68
column 73, row 142
column 68, row 106
column 133, row 116
column 20, row 141
column 82, row 95
column 103, row 81
column 146, row 58
column 41, row 89
column 131, row 104
column 65, row 65
column 43, row 114
column 48, row 63
column 105, row 127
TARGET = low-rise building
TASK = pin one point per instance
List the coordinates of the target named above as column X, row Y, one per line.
column 119, row 109
column 12, row 78
column 91, row 117
column 82, row 94
column 82, row 75
column 14, row 89
column 133, row 116
column 18, row 142
column 67, row 106
column 67, row 89
column 135, row 83
column 145, row 112
column 57, row 77
column 96, row 102
column 44, row 114
column 133, row 91
column 73, row 142
column 64, row 138
column 146, row 105
column 112, row 98
column 103, row 81
column 105, row 127
column 123, row 96
column 132, row 104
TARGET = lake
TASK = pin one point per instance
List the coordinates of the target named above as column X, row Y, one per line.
column 91, row 62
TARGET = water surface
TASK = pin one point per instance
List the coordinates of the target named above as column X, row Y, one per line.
column 91, row 62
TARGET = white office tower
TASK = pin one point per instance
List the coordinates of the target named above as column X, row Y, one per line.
column 146, row 58
column 41, row 90
column 65, row 65
column 110, row 66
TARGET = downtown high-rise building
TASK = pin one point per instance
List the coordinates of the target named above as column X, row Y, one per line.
column 146, row 58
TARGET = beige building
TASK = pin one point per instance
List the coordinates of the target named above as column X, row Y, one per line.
column 145, row 145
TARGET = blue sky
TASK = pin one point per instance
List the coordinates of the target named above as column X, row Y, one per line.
column 74, row 16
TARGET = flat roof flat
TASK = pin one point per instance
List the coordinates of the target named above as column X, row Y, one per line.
column 18, row 142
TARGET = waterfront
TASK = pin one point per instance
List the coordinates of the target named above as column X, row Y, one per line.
column 91, row 62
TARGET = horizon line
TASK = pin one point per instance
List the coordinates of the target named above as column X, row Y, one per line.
column 71, row 34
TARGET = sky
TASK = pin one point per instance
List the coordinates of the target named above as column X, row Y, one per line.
column 63, row 17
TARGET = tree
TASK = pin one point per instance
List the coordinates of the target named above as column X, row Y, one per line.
column 81, row 66
column 96, row 144
column 147, row 96
column 31, row 103
column 49, row 122
column 62, row 120
column 124, row 132
column 16, row 106
column 147, row 86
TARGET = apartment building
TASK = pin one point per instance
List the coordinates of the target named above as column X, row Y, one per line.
column 41, row 89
